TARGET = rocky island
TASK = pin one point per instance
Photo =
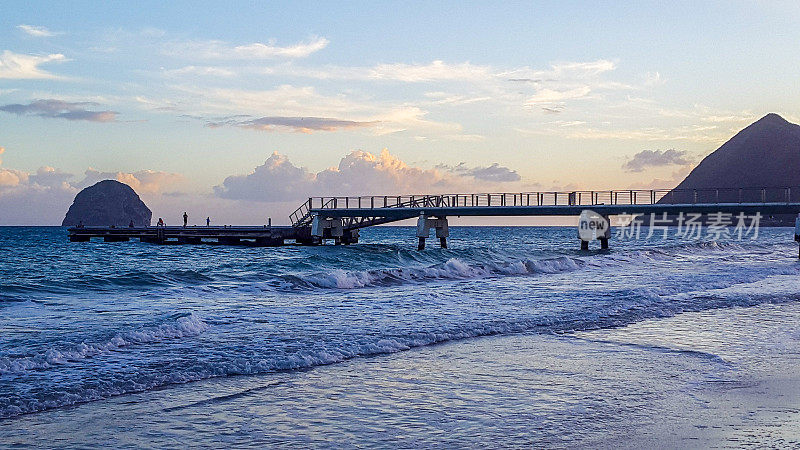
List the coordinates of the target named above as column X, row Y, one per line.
column 108, row 203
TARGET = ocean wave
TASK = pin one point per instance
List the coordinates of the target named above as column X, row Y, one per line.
column 186, row 326
column 452, row 269
column 484, row 264
column 631, row 306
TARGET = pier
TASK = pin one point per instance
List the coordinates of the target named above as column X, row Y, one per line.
column 340, row 218
column 266, row 236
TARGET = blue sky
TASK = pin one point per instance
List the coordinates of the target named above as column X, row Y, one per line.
column 189, row 101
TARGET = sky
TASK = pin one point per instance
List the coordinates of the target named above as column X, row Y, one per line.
column 240, row 110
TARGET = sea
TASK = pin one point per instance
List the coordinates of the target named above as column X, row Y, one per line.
column 512, row 337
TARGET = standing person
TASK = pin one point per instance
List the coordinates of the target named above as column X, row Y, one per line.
column 208, row 221
column 185, row 219
column 797, row 230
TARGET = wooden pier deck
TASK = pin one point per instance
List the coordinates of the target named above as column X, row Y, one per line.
column 264, row 236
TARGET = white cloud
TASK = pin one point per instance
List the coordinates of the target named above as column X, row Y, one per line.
column 50, row 177
column 35, row 31
column 256, row 50
column 286, row 108
column 653, row 79
column 435, row 71
column 19, row 66
column 143, row 181
column 200, row 71
column 284, row 100
column 358, row 173
column 411, row 117
column 694, row 133
column 33, row 199
column 550, row 95
column 296, row 124
column 563, row 71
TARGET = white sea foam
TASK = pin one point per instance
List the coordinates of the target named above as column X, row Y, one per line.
column 187, row 326
column 493, row 265
column 452, row 269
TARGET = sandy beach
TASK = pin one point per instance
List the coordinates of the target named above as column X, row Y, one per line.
column 719, row 378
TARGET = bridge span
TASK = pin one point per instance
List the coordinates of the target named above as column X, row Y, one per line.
column 340, row 218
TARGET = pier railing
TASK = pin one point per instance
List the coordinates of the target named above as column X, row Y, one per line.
column 302, row 215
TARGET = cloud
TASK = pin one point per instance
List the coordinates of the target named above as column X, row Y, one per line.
column 411, row 117
column 296, row 124
column 551, row 95
column 358, row 173
column 284, row 100
column 33, row 199
column 201, row 71
column 35, row 31
column 443, row 98
column 256, row 50
column 50, row 177
column 694, row 133
column 493, row 173
column 653, row 79
column 435, row 71
column 59, row 109
column 19, row 66
column 656, row 158
column 563, row 82
column 143, row 181
column 275, row 180
column 292, row 108
column 43, row 197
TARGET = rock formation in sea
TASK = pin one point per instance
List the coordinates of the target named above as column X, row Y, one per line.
column 765, row 154
column 757, row 164
column 107, row 203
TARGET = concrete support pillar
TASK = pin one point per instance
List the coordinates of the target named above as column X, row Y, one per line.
column 350, row 237
column 593, row 226
column 327, row 228
column 424, row 225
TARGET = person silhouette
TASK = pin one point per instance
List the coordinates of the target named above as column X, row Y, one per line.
column 185, row 218
column 208, row 221
column 160, row 222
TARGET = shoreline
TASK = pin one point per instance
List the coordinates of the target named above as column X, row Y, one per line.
column 596, row 388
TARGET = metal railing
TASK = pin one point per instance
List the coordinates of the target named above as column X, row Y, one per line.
column 302, row 216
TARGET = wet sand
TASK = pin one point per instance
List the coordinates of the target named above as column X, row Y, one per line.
column 708, row 379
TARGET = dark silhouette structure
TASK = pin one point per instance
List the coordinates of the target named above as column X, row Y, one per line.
column 108, row 203
column 765, row 155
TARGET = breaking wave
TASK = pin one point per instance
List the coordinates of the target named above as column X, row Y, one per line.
column 187, row 326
